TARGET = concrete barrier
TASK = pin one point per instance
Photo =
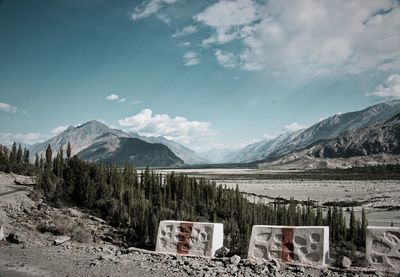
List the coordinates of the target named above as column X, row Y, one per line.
column 383, row 247
column 189, row 238
column 306, row 245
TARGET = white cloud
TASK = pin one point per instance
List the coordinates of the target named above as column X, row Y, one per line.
column 191, row 58
column 178, row 129
column 293, row 127
column 308, row 37
column 135, row 102
column 390, row 88
column 28, row 138
column 185, row 31
column 227, row 60
column 59, row 130
column 152, row 7
column 4, row 107
column 184, row 44
column 112, row 97
column 115, row 97
column 226, row 17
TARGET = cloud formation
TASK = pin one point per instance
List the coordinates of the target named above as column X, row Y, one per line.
column 185, row 31
column 28, row 138
column 152, row 7
column 390, row 88
column 227, row 60
column 5, row 107
column 115, row 97
column 191, row 58
column 312, row 37
column 178, row 129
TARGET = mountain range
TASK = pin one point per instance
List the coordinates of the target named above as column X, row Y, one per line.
column 329, row 128
column 96, row 141
column 371, row 131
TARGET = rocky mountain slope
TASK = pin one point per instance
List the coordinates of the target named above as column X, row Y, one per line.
column 111, row 148
column 382, row 137
column 326, row 129
column 95, row 133
column 260, row 150
column 80, row 138
column 376, row 143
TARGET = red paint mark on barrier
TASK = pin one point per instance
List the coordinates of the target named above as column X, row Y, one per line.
column 287, row 245
column 185, row 231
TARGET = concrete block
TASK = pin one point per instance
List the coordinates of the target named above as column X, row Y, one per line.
column 305, row 245
column 189, row 238
column 383, row 247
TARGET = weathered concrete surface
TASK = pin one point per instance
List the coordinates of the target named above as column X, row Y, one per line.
column 305, row 245
column 383, row 247
column 189, row 238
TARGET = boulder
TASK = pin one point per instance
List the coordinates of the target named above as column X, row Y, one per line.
column 74, row 212
column 345, row 262
column 235, row 260
column 61, row 240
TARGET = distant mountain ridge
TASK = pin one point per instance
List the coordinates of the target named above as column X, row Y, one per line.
column 326, row 129
column 381, row 137
column 186, row 154
column 96, row 134
column 377, row 143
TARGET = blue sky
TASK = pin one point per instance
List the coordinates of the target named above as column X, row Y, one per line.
column 208, row 74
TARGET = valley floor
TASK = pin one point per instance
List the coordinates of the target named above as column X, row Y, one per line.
column 380, row 198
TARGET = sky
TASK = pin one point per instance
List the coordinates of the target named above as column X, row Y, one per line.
column 207, row 74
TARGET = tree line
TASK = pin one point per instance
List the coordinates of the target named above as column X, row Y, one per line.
column 136, row 201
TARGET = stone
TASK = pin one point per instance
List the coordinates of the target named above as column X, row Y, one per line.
column 95, row 218
column 74, row 212
column 235, row 260
column 17, row 238
column 301, row 244
column 189, row 238
column 43, row 207
column 25, row 180
column 61, row 239
column 2, row 237
column 383, row 247
column 221, row 252
column 345, row 262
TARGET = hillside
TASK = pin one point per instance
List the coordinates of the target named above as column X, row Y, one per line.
column 326, row 129
column 113, row 149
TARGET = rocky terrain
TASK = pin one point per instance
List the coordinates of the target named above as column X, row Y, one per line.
column 377, row 144
column 45, row 241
